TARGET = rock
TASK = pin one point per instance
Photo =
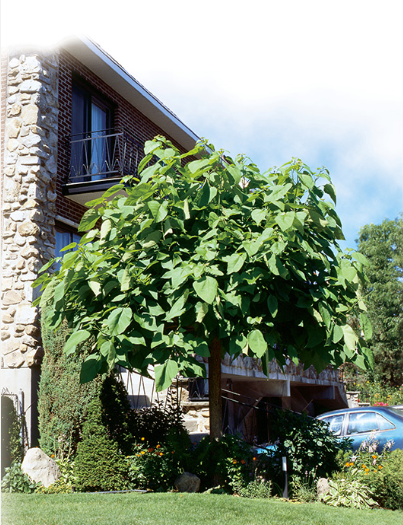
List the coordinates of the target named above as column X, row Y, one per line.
column 187, row 482
column 40, row 467
column 11, row 298
column 28, row 228
column 13, row 128
column 30, row 86
column 14, row 359
column 322, row 487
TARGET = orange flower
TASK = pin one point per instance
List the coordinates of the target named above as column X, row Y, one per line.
column 52, row 456
column 234, row 461
column 364, row 467
column 161, row 453
column 158, row 446
column 253, row 459
column 380, row 466
column 243, row 461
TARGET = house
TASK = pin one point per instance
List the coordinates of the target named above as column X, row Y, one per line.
column 74, row 121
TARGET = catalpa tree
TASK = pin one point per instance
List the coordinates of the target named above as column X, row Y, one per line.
column 207, row 257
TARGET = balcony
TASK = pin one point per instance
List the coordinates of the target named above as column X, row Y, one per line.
column 99, row 160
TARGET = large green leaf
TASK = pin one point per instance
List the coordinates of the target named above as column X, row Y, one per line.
column 272, row 304
column 366, row 326
column 331, row 191
column 257, row 343
column 206, row 288
column 89, row 369
column 118, row 320
column 350, row 337
column 164, row 374
column 285, row 220
column 75, row 338
column 88, row 220
column 235, row 262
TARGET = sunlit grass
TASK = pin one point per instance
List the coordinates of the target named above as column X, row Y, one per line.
column 178, row 509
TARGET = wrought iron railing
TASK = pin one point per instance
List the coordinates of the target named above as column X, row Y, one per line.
column 103, row 154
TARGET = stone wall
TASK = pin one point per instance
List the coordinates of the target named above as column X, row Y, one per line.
column 28, row 199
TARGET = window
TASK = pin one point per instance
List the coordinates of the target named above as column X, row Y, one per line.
column 64, row 237
column 335, row 424
column 383, row 423
column 362, row 422
column 91, row 122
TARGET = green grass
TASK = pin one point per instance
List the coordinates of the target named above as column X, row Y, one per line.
column 178, row 509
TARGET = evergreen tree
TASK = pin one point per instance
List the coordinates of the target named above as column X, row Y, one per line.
column 382, row 244
column 98, row 464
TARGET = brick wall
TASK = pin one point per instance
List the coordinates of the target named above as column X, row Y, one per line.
column 126, row 118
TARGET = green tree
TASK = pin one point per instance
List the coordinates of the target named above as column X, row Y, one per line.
column 205, row 257
column 382, row 244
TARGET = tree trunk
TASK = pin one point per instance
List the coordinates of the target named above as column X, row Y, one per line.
column 214, row 381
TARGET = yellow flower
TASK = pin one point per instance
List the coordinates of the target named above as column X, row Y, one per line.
column 142, row 452
column 364, row 467
column 142, row 439
column 380, row 466
column 367, row 470
column 347, row 464
column 234, row 461
column 253, row 459
column 158, row 446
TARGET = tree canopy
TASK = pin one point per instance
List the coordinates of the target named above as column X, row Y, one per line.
column 382, row 244
column 193, row 251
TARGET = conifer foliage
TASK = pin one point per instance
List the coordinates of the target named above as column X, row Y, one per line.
column 99, row 465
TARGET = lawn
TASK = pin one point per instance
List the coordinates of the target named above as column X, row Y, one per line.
column 178, row 509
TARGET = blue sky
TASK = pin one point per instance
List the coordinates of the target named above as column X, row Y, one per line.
column 316, row 80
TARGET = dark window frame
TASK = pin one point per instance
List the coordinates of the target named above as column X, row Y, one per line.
column 82, row 128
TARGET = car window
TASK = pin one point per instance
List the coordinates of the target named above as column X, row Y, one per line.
column 362, row 422
column 383, row 423
column 335, row 423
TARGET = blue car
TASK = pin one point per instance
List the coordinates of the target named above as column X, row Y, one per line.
column 384, row 424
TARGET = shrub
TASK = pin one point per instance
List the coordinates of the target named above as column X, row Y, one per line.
column 258, row 488
column 155, row 423
column 381, row 472
column 59, row 487
column 15, row 480
column 62, row 400
column 304, row 490
column 388, row 484
column 98, row 464
column 377, row 393
column 154, row 468
column 349, row 493
column 227, row 461
column 310, row 448
column 116, row 412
